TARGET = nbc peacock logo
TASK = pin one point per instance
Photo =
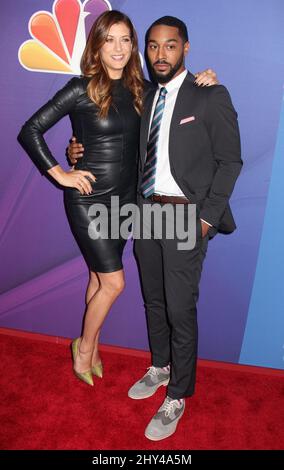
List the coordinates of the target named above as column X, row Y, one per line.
column 59, row 38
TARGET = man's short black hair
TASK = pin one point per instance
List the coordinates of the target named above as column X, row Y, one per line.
column 170, row 21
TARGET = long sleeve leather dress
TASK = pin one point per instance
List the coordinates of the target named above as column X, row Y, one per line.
column 110, row 153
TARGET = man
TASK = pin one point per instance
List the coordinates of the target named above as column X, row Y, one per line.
column 197, row 161
column 190, row 154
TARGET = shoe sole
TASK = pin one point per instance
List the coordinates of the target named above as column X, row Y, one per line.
column 151, row 438
column 164, row 383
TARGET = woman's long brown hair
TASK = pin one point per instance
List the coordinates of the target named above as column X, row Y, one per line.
column 100, row 86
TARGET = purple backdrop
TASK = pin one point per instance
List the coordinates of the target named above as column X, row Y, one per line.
column 43, row 277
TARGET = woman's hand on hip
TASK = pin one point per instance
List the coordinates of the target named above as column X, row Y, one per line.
column 79, row 179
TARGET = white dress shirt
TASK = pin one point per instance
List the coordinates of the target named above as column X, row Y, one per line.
column 164, row 181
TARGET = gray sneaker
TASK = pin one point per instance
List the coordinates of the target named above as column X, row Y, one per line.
column 165, row 421
column 150, row 382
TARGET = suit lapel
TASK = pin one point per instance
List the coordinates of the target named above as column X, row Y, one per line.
column 183, row 98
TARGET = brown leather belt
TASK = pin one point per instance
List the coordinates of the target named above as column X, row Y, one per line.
column 169, row 199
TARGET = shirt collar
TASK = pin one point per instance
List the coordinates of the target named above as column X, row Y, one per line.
column 175, row 82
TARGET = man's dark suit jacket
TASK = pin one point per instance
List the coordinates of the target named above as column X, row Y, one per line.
column 205, row 152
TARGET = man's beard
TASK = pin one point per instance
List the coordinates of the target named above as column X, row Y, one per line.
column 161, row 78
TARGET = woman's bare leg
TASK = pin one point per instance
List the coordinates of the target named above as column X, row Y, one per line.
column 92, row 289
column 96, row 355
column 93, row 286
column 110, row 286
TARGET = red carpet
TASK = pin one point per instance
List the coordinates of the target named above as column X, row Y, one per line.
column 44, row 406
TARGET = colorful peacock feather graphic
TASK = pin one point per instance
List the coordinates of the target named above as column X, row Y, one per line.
column 59, row 38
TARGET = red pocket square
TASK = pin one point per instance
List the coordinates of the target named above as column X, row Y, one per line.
column 188, row 119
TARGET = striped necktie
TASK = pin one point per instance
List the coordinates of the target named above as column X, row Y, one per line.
column 148, row 180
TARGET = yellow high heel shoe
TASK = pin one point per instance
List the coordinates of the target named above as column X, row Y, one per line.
column 84, row 376
column 97, row 370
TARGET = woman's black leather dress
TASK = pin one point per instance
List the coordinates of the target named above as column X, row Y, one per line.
column 110, row 153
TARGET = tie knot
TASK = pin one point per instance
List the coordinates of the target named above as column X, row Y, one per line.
column 163, row 91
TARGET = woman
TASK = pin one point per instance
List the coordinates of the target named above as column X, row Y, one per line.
column 104, row 106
